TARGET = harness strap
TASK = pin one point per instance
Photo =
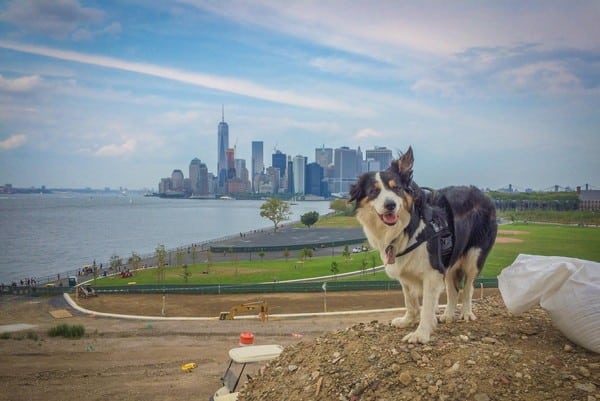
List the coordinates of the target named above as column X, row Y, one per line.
column 423, row 238
column 438, row 236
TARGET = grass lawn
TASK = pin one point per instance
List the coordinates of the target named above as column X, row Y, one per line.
column 537, row 239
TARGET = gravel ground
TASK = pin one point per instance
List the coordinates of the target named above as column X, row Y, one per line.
column 497, row 357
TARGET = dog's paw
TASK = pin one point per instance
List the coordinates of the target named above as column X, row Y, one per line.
column 446, row 318
column 417, row 336
column 403, row 322
column 468, row 316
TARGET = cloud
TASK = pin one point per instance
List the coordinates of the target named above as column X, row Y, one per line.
column 444, row 48
column 19, row 85
column 392, row 28
column 543, row 77
column 111, row 150
column 338, row 65
column 226, row 84
column 13, row 141
column 368, row 133
column 50, row 17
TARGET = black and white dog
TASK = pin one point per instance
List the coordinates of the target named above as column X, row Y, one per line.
column 427, row 240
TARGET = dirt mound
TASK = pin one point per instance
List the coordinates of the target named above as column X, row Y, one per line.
column 497, row 357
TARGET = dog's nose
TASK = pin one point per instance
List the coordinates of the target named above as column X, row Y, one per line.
column 389, row 205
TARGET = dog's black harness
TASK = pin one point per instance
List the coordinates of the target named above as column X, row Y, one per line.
column 438, row 234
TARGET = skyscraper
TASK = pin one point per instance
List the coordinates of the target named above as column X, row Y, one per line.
column 314, row 179
column 195, row 175
column 223, row 145
column 230, row 157
column 381, row 154
column 299, row 169
column 279, row 161
column 345, row 171
column 324, row 156
column 258, row 165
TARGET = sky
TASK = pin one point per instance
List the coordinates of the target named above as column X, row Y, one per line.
column 119, row 93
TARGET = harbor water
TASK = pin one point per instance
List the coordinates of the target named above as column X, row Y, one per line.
column 42, row 235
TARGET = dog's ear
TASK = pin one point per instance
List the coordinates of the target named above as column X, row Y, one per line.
column 357, row 190
column 404, row 166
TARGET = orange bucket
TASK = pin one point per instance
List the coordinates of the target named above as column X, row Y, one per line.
column 246, row 339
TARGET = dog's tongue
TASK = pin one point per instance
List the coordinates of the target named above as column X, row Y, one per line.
column 389, row 218
column 390, row 255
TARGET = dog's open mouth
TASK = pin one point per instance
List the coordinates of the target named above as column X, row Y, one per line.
column 389, row 218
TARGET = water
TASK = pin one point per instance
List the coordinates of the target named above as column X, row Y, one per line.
column 42, row 235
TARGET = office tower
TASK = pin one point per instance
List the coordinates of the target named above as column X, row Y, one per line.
column 177, row 180
column 345, row 169
column 371, row 165
column 230, row 157
column 279, row 161
column 380, row 154
column 203, row 180
column 257, row 165
column 314, row 179
column 324, row 156
column 271, row 181
column 195, row 175
column 223, row 145
column 240, row 167
column 290, row 177
column 299, row 167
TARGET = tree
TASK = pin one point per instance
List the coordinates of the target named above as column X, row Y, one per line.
column 346, row 253
column 363, row 264
column 161, row 261
column 334, row 268
column 180, row 257
column 186, row 274
column 194, row 254
column 304, row 253
column 115, row 262
column 275, row 210
column 135, row 261
column 310, row 218
column 340, row 206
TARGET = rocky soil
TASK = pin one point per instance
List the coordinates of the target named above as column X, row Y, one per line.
column 497, row 357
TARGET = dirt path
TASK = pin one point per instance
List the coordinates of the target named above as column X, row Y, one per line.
column 121, row 359
column 140, row 360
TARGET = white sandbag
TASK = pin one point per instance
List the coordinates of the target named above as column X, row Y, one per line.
column 568, row 288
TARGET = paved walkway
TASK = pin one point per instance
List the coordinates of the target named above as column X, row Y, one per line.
column 320, row 237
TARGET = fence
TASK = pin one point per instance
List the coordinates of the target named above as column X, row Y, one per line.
column 275, row 287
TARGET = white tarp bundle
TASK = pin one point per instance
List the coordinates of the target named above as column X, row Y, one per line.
column 568, row 288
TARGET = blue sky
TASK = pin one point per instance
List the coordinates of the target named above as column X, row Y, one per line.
column 120, row 93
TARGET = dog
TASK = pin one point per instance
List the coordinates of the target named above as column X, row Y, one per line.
column 427, row 239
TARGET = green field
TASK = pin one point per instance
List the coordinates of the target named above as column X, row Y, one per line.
column 538, row 239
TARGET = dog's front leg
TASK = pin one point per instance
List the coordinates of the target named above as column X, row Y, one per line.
column 433, row 285
column 411, row 301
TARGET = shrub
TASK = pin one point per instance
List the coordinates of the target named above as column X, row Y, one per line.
column 67, row 331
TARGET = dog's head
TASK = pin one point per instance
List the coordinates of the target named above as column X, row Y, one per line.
column 385, row 198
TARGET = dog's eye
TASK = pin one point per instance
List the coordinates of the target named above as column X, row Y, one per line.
column 373, row 192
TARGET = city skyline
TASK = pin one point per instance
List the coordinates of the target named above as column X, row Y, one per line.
column 118, row 94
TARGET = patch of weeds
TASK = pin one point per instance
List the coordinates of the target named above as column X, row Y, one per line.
column 5, row 336
column 67, row 331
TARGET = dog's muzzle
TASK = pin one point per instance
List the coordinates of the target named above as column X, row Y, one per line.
column 389, row 215
column 389, row 218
